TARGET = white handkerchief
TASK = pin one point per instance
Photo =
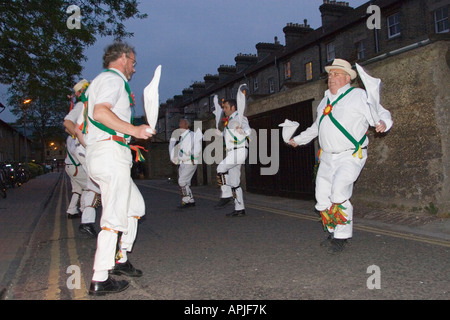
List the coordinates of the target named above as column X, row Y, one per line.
column 289, row 128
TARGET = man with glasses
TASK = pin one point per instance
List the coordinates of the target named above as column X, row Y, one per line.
column 107, row 127
column 343, row 118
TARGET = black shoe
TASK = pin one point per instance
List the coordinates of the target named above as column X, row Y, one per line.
column 88, row 228
column 236, row 213
column 326, row 242
column 73, row 216
column 337, row 245
column 110, row 285
column 184, row 205
column 223, row 202
column 127, row 269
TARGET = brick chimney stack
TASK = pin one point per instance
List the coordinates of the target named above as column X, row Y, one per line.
column 295, row 31
column 332, row 10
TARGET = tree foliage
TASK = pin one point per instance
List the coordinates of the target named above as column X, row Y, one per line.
column 40, row 57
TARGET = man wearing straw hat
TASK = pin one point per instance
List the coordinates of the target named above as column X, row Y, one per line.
column 90, row 196
column 343, row 118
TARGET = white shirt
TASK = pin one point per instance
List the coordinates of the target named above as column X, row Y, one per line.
column 73, row 116
column 352, row 112
column 71, row 149
column 107, row 87
column 231, row 132
column 75, row 112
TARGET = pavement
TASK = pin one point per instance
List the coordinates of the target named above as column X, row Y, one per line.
column 21, row 211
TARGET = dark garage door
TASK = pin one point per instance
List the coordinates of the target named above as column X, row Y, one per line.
column 296, row 165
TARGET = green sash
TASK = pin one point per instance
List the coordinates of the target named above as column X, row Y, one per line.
column 327, row 112
column 236, row 141
column 110, row 131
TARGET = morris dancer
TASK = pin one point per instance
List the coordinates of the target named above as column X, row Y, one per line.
column 343, row 118
column 109, row 160
column 188, row 161
column 90, row 197
column 77, row 177
column 229, row 169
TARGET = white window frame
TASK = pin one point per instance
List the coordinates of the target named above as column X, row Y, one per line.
column 331, row 52
column 360, row 50
column 393, row 23
column 441, row 20
column 271, row 85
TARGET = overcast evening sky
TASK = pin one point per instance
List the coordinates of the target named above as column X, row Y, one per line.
column 192, row 38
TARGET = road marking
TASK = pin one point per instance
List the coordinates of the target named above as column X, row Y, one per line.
column 378, row 231
column 53, row 291
column 79, row 294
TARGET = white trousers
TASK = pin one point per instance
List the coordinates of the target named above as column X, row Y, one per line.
column 185, row 173
column 334, row 184
column 88, row 197
column 77, row 177
column 109, row 165
column 231, row 167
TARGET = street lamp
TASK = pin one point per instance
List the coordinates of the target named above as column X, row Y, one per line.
column 24, row 108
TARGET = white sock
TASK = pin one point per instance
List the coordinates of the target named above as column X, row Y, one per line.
column 124, row 256
column 100, row 275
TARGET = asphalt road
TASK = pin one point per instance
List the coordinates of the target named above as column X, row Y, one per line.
column 199, row 254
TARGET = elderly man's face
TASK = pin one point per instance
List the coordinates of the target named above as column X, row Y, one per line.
column 337, row 78
column 183, row 124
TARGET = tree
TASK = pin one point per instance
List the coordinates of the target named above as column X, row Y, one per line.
column 40, row 56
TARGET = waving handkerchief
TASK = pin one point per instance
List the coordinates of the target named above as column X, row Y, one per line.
column 373, row 92
column 151, row 99
column 241, row 103
column 217, row 110
column 289, row 128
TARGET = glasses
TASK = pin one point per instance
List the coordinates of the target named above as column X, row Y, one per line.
column 335, row 74
column 134, row 61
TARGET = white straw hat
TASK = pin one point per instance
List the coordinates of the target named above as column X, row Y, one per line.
column 343, row 65
column 80, row 85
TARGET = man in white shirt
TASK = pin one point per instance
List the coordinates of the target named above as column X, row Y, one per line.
column 77, row 177
column 109, row 160
column 187, row 157
column 343, row 118
column 229, row 169
column 90, row 197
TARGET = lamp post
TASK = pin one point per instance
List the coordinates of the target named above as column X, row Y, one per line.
column 25, row 103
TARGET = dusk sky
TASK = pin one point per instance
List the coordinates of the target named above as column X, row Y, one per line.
column 192, row 38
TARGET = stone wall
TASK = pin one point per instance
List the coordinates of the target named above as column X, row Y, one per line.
column 410, row 165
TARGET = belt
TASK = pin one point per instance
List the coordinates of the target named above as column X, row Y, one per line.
column 116, row 138
column 235, row 148
column 364, row 148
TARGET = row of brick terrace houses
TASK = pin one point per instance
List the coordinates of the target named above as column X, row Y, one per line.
column 288, row 81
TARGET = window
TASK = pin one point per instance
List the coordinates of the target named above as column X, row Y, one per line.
column 287, row 70
column 441, row 20
column 360, row 50
column 255, row 84
column 393, row 23
column 330, row 52
column 308, row 71
column 271, row 85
